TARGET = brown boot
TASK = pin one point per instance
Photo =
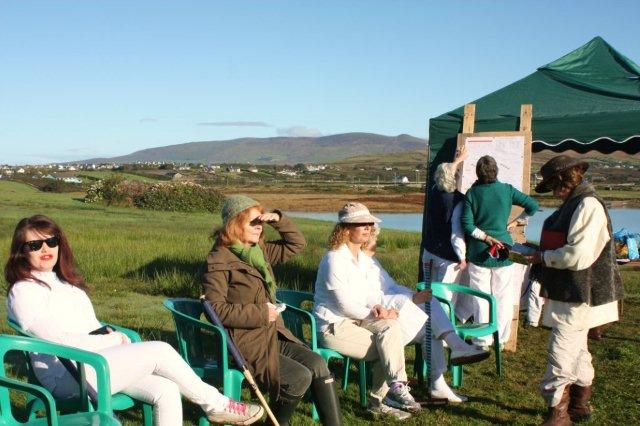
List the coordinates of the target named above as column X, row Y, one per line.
column 559, row 415
column 579, row 406
column 596, row 333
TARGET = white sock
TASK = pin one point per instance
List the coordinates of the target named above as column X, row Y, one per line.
column 454, row 341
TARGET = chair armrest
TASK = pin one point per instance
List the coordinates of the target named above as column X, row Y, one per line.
column 452, row 314
column 37, row 391
column 308, row 318
column 131, row 334
column 97, row 361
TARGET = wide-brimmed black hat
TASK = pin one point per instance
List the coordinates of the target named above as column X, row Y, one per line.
column 557, row 165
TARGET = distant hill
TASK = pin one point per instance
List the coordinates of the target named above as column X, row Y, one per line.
column 278, row 150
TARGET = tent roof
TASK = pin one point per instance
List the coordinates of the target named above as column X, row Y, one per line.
column 589, row 98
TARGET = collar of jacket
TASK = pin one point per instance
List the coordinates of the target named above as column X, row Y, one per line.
column 220, row 258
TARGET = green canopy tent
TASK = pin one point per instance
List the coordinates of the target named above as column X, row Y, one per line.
column 587, row 100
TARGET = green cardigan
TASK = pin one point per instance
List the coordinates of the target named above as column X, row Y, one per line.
column 488, row 206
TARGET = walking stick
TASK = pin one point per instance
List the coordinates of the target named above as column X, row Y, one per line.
column 427, row 273
column 237, row 356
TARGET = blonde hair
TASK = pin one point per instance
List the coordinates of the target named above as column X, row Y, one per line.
column 339, row 236
column 371, row 243
column 232, row 230
column 445, row 177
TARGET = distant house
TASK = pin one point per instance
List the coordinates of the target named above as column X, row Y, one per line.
column 174, row 175
column 20, row 170
column 253, row 169
column 315, row 167
column 387, row 168
column 402, row 180
column 72, row 180
column 232, row 169
column 184, row 168
column 49, row 176
column 72, row 168
column 287, row 172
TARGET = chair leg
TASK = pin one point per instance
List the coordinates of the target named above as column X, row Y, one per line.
column 362, row 376
column 419, row 365
column 314, row 413
column 345, row 378
column 147, row 414
column 456, row 376
column 496, row 346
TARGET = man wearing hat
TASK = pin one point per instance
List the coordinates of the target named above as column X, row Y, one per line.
column 581, row 282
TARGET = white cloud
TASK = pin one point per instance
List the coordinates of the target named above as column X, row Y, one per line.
column 298, row 131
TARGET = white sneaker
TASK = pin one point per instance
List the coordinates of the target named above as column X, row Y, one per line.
column 236, row 413
column 452, row 397
column 468, row 355
column 399, row 397
column 384, row 410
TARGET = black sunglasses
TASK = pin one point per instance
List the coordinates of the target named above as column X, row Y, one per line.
column 256, row 222
column 36, row 245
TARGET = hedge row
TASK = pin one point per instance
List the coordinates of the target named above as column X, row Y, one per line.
column 168, row 196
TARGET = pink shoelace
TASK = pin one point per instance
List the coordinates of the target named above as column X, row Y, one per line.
column 237, row 407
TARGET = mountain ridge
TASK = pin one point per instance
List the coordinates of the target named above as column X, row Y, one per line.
column 274, row 150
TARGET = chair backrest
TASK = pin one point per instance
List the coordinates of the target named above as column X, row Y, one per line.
column 200, row 343
column 297, row 317
column 444, row 291
column 186, row 315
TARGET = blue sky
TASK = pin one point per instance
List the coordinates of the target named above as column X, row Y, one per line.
column 80, row 79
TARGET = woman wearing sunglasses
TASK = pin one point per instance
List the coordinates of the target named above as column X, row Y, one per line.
column 356, row 317
column 47, row 297
column 240, row 284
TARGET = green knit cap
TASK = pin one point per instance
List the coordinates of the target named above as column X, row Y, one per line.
column 234, row 205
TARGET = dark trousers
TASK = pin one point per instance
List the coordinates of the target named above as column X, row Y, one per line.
column 299, row 365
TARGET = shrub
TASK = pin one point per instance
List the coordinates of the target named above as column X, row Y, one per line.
column 168, row 196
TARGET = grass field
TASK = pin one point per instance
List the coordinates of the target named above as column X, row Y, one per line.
column 133, row 259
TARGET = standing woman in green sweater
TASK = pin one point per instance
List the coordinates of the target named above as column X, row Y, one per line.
column 485, row 220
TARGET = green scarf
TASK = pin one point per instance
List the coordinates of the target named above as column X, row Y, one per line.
column 253, row 256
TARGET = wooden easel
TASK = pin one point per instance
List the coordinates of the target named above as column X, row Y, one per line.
column 468, row 127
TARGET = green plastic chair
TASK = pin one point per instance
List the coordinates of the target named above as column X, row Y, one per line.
column 302, row 324
column 103, row 414
column 468, row 330
column 210, row 363
column 119, row 401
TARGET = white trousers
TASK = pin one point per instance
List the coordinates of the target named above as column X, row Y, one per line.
column 496, row 281
column 534, row 303
column 446, row 271
column 568, row 362
column 154, row 373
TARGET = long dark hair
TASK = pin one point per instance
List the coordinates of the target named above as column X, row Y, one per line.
column 18, row 267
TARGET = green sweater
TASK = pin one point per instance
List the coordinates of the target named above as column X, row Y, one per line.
column 488, row 206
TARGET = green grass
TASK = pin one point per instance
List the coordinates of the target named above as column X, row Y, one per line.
column 133, row 259
column 130, row 176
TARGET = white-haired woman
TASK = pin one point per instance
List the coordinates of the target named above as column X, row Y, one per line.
column 444, row 249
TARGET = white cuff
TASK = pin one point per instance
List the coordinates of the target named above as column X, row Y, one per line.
column 479, row 234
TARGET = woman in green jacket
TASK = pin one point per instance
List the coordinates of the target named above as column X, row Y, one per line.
column 485, row 221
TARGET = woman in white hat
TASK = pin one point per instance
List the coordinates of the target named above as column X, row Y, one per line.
column 354, row 318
